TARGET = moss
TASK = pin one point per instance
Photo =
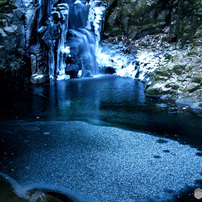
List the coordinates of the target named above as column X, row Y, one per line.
column 152, row 91
column 164, row 71
column 175, row 86
column 197, row 79
column 192, row 52
column 191, row 87
column 178, row 69
column 168, row 56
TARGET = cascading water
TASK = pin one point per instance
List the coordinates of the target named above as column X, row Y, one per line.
column 85, row 28
column 68, row 32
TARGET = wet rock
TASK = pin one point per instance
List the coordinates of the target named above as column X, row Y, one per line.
column 7, row 191
column 39, row 78
column 33, row 64
column 19, row 13
column 184, row 101
column 191, row 87
column 107, row 70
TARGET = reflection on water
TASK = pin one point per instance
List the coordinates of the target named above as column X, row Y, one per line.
column 88, row 98
column 108, row 100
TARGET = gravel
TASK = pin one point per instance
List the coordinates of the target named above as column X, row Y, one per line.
column 100, row 163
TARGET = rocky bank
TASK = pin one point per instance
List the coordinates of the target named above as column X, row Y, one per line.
column 166, row 36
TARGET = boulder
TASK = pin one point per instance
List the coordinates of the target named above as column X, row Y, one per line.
column 184, row 101
column 10, row 30
column 19, row 13
column 191, row 87
column 39, row 78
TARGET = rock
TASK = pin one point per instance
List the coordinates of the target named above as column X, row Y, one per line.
column 1, row 52
column 2, row 34
column 33, row 64
column 197, row 107
column 197, row 78
column 39, row 78
column 178, row 69
column 30, row 15
column 154, row 89
column 36, row 195
column 191, row 87
column 184, row 101
column 110, row 70
column 19, row 13
column 10, row 29
column 175, row 86
column 8, row 192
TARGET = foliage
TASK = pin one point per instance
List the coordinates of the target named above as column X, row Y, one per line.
column 4, row 2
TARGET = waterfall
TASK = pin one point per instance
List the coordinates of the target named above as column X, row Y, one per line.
column 85, row 28
column 62, row 50
column 68, row 32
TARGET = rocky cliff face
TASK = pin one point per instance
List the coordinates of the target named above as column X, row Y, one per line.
column 36, row 35
column 23, row 24
column 12, row 37
column 138, row 18
column 17, row 20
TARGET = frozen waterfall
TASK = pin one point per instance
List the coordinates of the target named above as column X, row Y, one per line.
column 68, row 33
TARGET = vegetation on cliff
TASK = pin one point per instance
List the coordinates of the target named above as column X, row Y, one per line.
column 171, row 29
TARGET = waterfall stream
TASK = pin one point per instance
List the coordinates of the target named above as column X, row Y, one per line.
column 68, row 34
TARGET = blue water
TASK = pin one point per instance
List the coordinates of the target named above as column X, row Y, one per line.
column 45, row 142
column 105, row 100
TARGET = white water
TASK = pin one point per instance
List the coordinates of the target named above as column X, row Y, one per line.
column 73, row 38
column 85, row 28
column 62, row 50
column 70, row 34
column 133, row 66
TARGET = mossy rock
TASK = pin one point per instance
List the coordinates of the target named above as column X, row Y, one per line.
column 175, row 86
column 197, row 78
column 4, row 2
column 191, row 87
column 194, row 51
column 157, row 76
column 178, row 69
column 145, row 30
column 152, row 91
column 168, row 56
column 198, row 34
column 155, row 89
column 164, row 71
